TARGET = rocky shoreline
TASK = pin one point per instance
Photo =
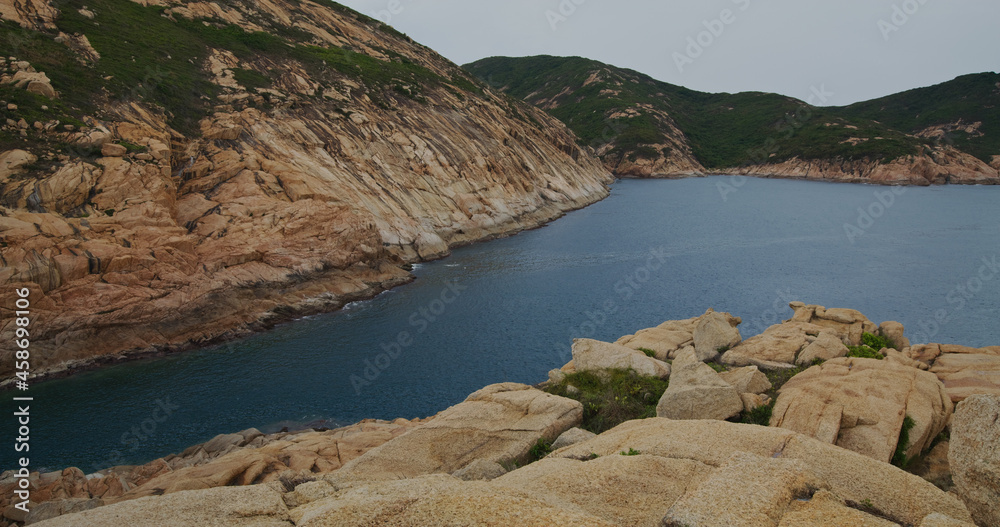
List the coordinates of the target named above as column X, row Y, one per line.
column 795, row 426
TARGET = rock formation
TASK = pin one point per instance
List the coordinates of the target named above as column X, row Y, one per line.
column 975, row 456
column 284, row 200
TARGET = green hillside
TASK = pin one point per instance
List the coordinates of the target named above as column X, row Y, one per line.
column 728, row 130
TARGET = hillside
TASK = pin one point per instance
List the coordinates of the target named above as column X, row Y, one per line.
column 640, row 126
column 174, row 172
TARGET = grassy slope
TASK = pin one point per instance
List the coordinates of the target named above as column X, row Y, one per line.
column 150, row 58
column 727, row 130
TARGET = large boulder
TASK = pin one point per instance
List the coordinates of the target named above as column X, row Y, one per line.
column 894, row 332
column 849, row 324
column 777, row 347
column 253, row 506
column 715, row 332
column 439, row 500
column 500, row 423
column 12, row 161
column 826, row 346
column 860, row 405
column 966, row 371
column 622, row 490
column 747, row 380
column 975, row 456
column 696, row 391
column 849, row 475
column 747, row 491
column 594, row 355
column 664, row 340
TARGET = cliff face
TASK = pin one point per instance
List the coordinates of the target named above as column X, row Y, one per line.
column 301, row 187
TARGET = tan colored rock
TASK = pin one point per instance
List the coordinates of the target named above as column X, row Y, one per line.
column 974, row 455
column 499, row 423
column 480, row 470
column 847, row 474
column 714, row 333
column 778, row 344
column 747, row 380
column 894, row 332
column 113, row 150
column 697, row 392
column 438, row 500
column 622, row 490
column 12, row 161
column 940, row 520
column 593, row 355
column 967, row 374
column 825, row 509
column 849, row 324
column 254, row 506
column 826, row 346
column 753, row 400
column 860, row 404
column 747, row 491
column 664, row 342
column 572, row 437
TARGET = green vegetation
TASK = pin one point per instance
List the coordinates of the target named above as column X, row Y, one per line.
column 630, row 452
column 541, row 449
column 760, row 415
column 863, row 352
column 250, row 79
column 778, row 378
column 648, row 352
column 612, row 398
column 717, row 367
column 730, row 130
column 899, row 457
column 877, row 342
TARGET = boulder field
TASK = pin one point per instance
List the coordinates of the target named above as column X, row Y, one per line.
column 744, row 434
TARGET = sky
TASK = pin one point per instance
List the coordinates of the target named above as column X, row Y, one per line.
column 832, row 52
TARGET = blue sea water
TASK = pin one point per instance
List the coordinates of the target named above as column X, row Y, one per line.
column 507, row 310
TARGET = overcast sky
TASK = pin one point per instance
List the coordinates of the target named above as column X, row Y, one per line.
column 849, row 50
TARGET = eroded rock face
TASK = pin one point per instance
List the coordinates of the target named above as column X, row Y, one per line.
column 714, row 331
column 974, row 456
column 594, row 355
column 860, row 405
column 499, row 423
column 696, row 391
column 269, row 210
column 964, row 371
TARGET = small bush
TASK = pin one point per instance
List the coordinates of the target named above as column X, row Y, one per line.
column 717, row 367
column 611, row 398
column 899, row 457
column 648, row 352
column 876, row 342
column 863, row 352
column 760, row 415
column 631, row 452
column 541, row 449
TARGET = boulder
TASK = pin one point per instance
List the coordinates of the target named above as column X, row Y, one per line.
column 662, row 341
column 974, row 456
column 439, row 499
column 894, row 332
column 747, row 491
column 849, row 324
column 753, row 400
column 622, row 490
column 778, row 345
column 113, row 150
column 826, row 346
column 480, row 470
column 571, row 437
column 56, row 508
column 747, row 380
column 253, row 506
column 851, row 476
column 696, row 391
column 860, row 405
column 13, row 161
column 967, row 374
column 940, row 520
column 715, row 332
column 500, row 423
column 594, row 355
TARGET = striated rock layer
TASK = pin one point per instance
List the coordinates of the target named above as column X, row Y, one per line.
column 289, row 200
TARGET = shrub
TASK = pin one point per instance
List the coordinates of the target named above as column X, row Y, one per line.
column 876, row 342
column 899, row 457
column 611, row 398
column 863, row 352
column 631, row 452
column 541, row 449
column 648, row 352
column 760, row 415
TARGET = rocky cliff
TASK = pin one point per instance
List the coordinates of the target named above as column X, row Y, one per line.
column 176, row 172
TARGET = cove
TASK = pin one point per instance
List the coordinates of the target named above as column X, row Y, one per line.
column 507, row 310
